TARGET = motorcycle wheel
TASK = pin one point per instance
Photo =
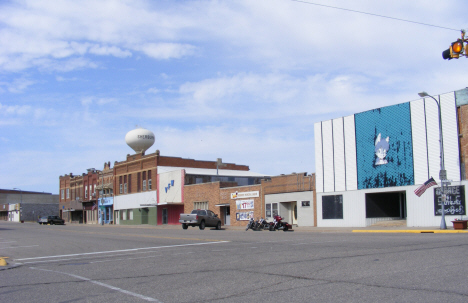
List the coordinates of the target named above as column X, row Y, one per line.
column 247, row 228
column 271, row 228
column 285, row 228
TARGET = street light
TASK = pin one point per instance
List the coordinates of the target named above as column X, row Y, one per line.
column 443, row 172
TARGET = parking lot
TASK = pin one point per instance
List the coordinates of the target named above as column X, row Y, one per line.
column 78, row 263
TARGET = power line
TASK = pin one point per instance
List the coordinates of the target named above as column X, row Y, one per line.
column 376, row 15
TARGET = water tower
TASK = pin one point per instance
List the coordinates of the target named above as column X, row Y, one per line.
column 139, row 139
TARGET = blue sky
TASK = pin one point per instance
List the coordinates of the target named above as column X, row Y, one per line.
column 240, row 80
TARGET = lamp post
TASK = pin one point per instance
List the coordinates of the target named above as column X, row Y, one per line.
column 443, row 172
column 21, row 201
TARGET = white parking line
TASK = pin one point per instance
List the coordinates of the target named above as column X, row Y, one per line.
column 122, row 250
column 102, row 284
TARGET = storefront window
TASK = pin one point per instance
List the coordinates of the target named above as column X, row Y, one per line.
column 268, row 210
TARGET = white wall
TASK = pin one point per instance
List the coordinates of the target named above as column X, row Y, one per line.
column 134, row 200
column 419, row 210
column 169, row 193
column 305, row 215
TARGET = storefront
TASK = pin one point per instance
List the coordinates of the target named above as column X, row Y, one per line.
column 105, row 210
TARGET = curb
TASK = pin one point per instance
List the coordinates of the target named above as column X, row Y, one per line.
column 413, row 231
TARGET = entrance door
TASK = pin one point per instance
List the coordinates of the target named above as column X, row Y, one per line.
column 294, row 212
column 227, row 215
column 164, row 216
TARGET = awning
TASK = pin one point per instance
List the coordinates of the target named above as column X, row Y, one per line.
column 220, row 205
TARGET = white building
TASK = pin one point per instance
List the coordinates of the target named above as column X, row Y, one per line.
column 369, row 164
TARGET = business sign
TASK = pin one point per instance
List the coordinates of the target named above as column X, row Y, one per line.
column 245, row 204
column 247, row 194
column 244, row 216
column 454, row 201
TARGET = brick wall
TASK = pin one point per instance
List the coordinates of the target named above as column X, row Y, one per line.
column 225, row 197
column 204, row 192
column 289, row 183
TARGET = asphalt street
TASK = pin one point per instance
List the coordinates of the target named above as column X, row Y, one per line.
column 85, row 263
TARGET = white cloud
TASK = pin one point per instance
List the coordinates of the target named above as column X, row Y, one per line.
column 166, row 50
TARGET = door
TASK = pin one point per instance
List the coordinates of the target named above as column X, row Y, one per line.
column 164, row 216
column 227, row 215
column 294, row 212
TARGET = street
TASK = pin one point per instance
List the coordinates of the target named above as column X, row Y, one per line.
column 86, row 263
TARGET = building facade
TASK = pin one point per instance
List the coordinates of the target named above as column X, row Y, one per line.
column 26, row 206
column 369, row 164
column 149, row 188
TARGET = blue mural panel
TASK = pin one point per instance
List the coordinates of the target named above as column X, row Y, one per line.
column 384, row 148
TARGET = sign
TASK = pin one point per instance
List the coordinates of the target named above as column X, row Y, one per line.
column 454, row 200
column 247, row 194
column 245, row 204
column 244, row 216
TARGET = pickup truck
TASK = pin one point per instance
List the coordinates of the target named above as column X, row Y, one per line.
column 51, row 220
column 201, row 218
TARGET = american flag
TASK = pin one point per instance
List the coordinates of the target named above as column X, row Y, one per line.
column 94, row 206
column 421, row 189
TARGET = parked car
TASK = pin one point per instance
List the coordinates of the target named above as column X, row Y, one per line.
column 201, row 218
column 52, row 220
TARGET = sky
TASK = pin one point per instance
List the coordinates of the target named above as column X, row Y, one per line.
column 241, row 80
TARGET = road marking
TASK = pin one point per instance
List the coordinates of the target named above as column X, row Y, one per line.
column 141, row 236
column 8, row 242
column 122, row 250
column 102, row 284
column 18, row 246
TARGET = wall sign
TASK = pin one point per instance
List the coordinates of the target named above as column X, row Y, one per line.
column 454, row 202
column 244, row 216
column 247, row 194
column 245, row 204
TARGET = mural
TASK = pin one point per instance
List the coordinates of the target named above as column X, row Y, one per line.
column 384, row 162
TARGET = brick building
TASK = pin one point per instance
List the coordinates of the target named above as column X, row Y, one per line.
column 149, row 189
column 290, row 196
column 70, row 195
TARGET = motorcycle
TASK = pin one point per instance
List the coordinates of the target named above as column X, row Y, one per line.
column 250, row 225
column 279, row 224
column 262, row 224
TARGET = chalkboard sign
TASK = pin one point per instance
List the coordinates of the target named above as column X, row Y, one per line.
column 454, row 203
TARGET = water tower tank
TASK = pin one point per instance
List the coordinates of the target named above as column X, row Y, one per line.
column 139, row 139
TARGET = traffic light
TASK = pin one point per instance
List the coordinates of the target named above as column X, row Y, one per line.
column 455, row 50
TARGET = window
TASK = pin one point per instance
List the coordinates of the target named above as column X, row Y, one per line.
column 123, row 215
column 68, row 193
column 305, row 203
column 138, row 182
column 332, row 207
column 63, row 193
column 125, row 188
column 121, row 188
column 200, row 205
column 268, row 210
column 144, row 185
column 129, row 183
column 86, row 192
column 271, row 210
column 130, row 214
column 120, row 183
column 149, row 180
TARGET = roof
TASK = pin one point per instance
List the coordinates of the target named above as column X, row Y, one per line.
column 211, row 172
